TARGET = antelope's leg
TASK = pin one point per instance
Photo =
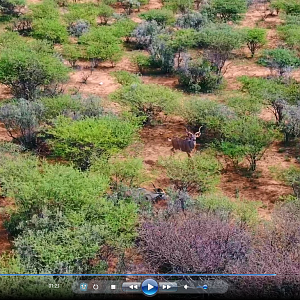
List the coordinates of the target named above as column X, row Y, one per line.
column 173, row 151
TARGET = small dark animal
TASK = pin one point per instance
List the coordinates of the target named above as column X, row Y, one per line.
column 154, row 196
column 186, row 145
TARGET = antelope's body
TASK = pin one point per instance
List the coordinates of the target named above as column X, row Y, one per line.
column 186, row 145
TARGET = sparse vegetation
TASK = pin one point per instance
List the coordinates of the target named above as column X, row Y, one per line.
column 88, row 181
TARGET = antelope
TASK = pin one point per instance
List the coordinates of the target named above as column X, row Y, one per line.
column 186, row 145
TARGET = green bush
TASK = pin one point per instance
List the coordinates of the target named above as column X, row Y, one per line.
column 213, row 115
column 161, row 16
column 101, row 45
column 245, row 105
column 183, row 40
column 255, row 38
column 50, row 241
column 78, row 140
column 148, row 100
column 72, row 53
column 288, row 6
column 30, row 68
column 181, row 6
column 81, row 11
column 290, row 34
column 218, row 41
column 282, row 60
column 201, row 172
column 122, row 171
column 290, row 176
column 53, row 185
column 30, row 286
column 123, row 28
column 121, row 223
column 272, row 92
column 126, row 78
column 242, row 210
column 229, row 10
column 49, row 29
column 142, row 61
column 73, row 106
column 48, row 9
column 104, row 12
column 251, row 135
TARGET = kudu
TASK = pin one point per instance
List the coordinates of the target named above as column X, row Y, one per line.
column 186, row 145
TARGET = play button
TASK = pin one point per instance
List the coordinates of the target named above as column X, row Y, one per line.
column 149, row 287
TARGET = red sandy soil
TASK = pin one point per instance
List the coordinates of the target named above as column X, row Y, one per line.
column 264, row 188
column 3, row 134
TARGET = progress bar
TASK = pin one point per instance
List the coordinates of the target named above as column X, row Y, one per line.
column 146, row 275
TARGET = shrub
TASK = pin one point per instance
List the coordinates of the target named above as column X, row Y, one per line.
column 290, row 176
column 72, row 53
column 78, row 28
column 251, row 135
column 192, row 19
column 49, row 29
column 123, row 28
column 290, row 33
column 182, row 6
column 274, row 93
column 22, row 119
column 76, row 107
column 245, row 105
column 104, row 12
column 282, row 60
column 23, row 25
column 18, row 287
column 218, row 42
column 255, row 38
column 244, row 211
column 163, row 17
column 291, row 121
column 145, row 32
column 201, row 172
column 46, row 10
column 79, row 140
column 122, row 171
column 229, row 10
column 126, row 78
column 142, row 61
column 213, row 115
column 101, row 45
column 30, row 68
column 11, row 7
column 201, row 243
column 290, row 7
column 198, row 75
column 162, row 52
column 130, row 5
column 42, row 185
column 147, row 100
column 51, row 242
column 86, row 12
column 182, row 40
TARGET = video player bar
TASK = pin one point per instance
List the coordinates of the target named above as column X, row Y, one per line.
column 150, row 287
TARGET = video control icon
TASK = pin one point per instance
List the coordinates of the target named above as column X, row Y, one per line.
column 167, row 287
column 131, row 287
column 149, row 287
